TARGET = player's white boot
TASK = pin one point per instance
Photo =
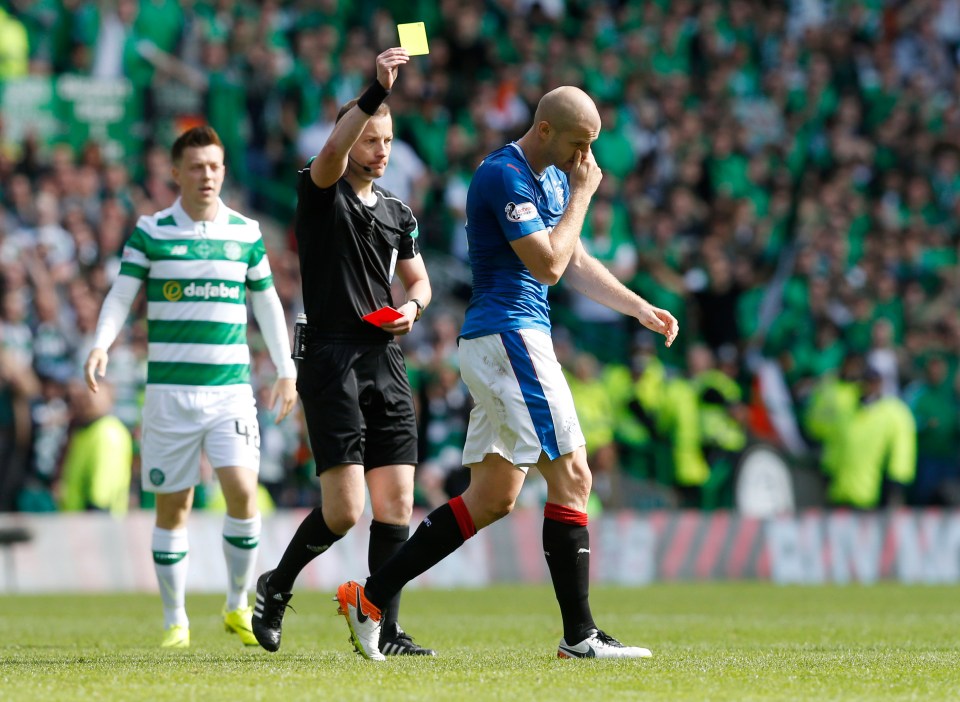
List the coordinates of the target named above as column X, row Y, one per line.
column 600, row 645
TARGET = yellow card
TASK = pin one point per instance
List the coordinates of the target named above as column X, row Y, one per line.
column 413, row 38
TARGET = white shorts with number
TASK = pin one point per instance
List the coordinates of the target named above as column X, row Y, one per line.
column 177, row 424
column 523, row 403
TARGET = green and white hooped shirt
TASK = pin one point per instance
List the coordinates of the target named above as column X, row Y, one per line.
column 197, row 275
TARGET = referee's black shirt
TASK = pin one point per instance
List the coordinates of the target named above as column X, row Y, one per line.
column 348, row 253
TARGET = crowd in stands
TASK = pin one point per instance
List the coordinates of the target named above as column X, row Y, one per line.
column 784, row 177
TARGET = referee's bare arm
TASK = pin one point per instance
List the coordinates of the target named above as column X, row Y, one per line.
column 416, row 284
column 331, row 163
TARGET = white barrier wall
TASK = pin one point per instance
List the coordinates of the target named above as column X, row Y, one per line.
column 95, row 553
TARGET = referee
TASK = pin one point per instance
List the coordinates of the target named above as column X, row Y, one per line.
column 353, row 236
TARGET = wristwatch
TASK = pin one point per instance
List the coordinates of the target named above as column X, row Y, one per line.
column 420, row 308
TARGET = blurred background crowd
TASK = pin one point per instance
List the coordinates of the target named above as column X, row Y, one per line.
column 783, row 175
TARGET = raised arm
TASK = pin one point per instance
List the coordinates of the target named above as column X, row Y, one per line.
column 331, row 163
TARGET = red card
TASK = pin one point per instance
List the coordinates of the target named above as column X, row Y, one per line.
column 382, row 315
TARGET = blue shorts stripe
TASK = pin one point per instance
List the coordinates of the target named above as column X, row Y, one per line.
column 532, row 390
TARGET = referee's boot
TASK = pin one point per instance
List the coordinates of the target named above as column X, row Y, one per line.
column 268, row 611
column 394, row 641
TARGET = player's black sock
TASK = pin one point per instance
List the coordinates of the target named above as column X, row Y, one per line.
column 441, row 533
column 566, row 545
column 313, row 537
column 386, row 540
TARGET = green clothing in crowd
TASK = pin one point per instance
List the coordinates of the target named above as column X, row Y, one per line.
column 938, row 421
column 160, row 21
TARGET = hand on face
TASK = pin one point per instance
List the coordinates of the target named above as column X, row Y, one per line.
column 585, row 174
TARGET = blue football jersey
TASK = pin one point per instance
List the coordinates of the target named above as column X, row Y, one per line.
column 506, row 201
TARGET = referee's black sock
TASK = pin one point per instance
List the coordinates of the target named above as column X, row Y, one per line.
column 313, row 537
column 386, row 540
column 441, row 533
column 566, row 545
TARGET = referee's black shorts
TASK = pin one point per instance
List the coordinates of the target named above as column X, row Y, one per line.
column 358, row 405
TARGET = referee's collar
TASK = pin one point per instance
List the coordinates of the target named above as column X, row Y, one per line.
column 181, row 217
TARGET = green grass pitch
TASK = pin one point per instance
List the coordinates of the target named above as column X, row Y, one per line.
column 729, row 641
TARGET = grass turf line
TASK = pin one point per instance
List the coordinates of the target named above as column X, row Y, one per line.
column 711, row 641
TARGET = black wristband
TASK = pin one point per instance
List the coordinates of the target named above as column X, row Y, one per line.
column 372, row 98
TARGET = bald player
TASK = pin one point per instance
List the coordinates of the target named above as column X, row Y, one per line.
column 525, row 211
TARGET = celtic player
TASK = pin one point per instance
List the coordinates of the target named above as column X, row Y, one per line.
column 198, row 259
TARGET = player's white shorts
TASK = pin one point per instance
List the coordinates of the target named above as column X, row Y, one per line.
column 178, row 423
column 523, row 403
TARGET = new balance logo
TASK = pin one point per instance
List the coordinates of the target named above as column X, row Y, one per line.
column 178, row 251
column 318, row 549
